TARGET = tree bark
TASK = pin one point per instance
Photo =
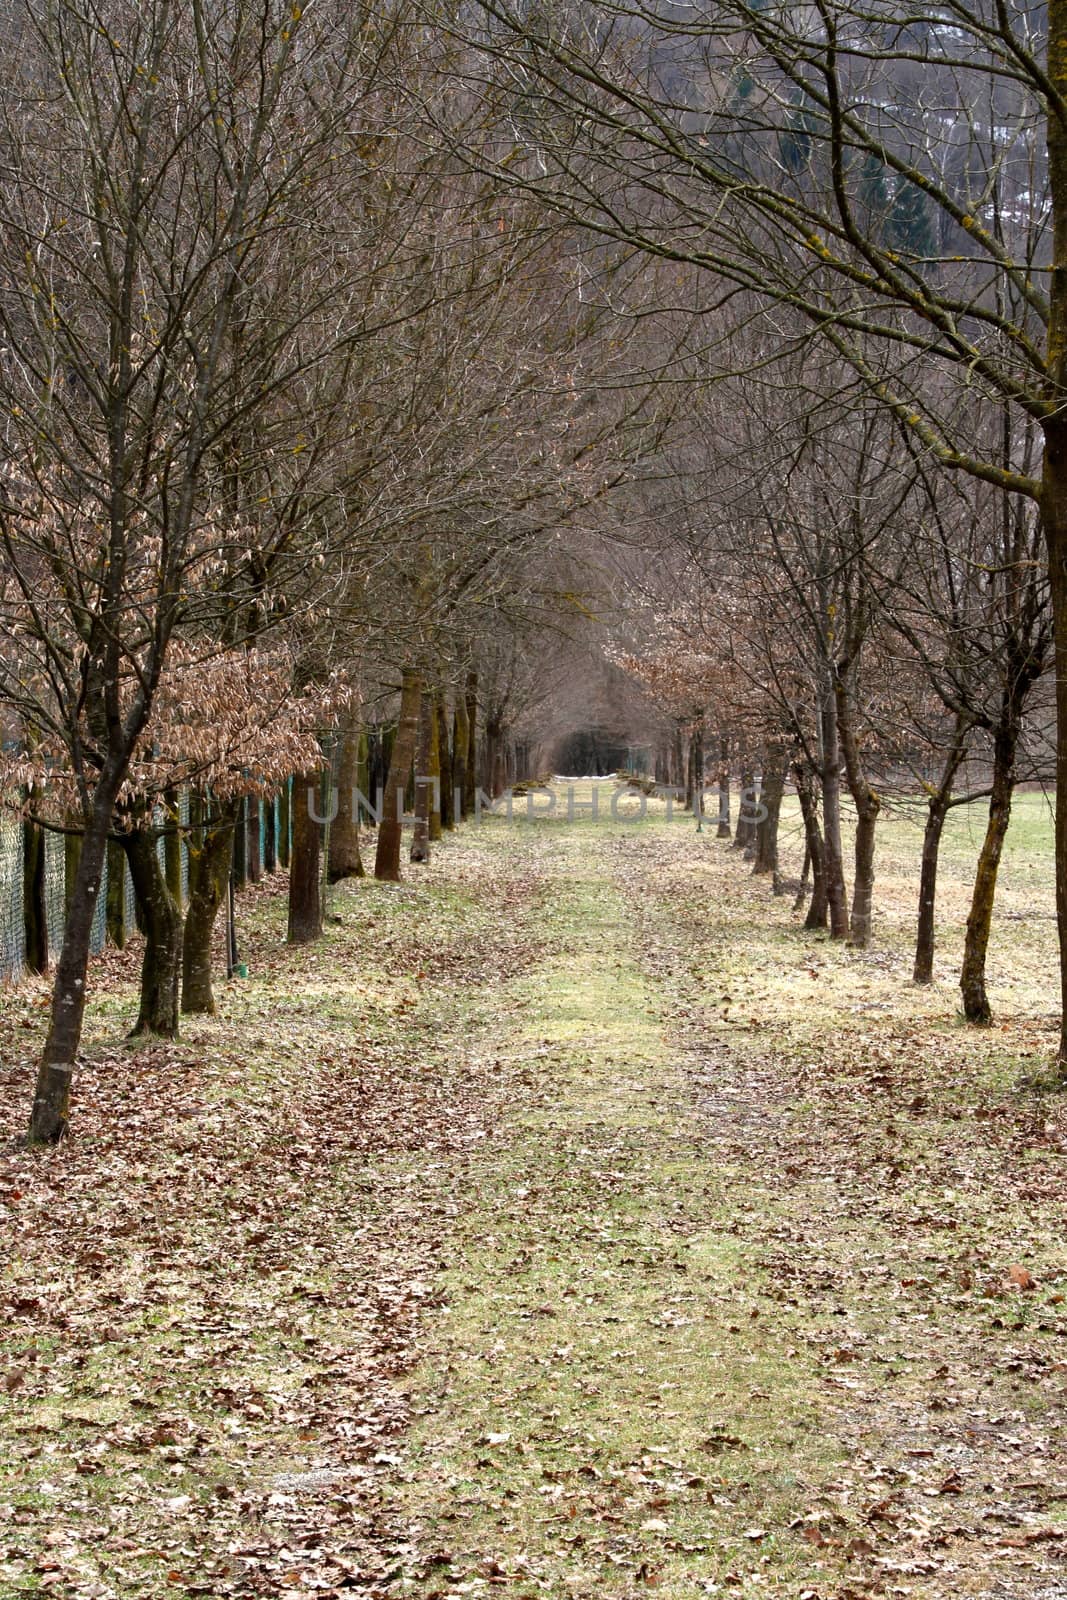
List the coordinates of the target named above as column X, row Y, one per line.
column 71, row 856
column 210, row 858
column 937, row 811
column 677, row 758
column 830, row 783
column 51, row 1101
column 805, row 877
column 345, row 858
column 460, row 741
column 1055, row 513
column 240, row 845
column 420, row 839
column 445, row 765
column 172, row 845
column 1054, row 468
column 976, row 1007
column 34, row 912
column 470, row 776
column 696, row 771
column 285, row 823
column 494, row 756
column 270, row 853
column 745, row 831
column 724, row 829
column 819, row 905
column 305, row 866
column 390, row 830
column 868, row 804
column 254, row 838
column 772, row 790
column 433, row 769
column 161, row 962
column 117, row 931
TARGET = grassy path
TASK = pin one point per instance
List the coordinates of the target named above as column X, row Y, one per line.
column 604, row 1424
column 727, row 1308
column 567, row 1223
column 210, row 1293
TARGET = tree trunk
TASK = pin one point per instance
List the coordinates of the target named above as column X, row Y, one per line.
column 696, row 771
column 868, row 804
column 270, row 852
column 1055, row 474
column 71, row 856
column 830, row 780
column 384, row 757
column 390, row 830
column 420, row 840
column 446, row 763
column 1054, row 467
column 470, row 776
column 773, row 788
column 210, row 858
column 494, row 757
column 745, row 831
column 161, row 963
column 51, row 1102
column 805, row 876
column 240, row 845
column 117, row 931
column 937, row 811
column 809, row 810
column 863, row 883
column 305, row 867
column 724, row 830
column 285, row 823
column 34, row 912
column 254, row 838
column 345, row 859
column 460, row 742
column 976, row 1006
column 433, row 769
column 172, row 846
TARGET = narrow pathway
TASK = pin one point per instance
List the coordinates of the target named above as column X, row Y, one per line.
column 567, row 1223
column 715, row 1321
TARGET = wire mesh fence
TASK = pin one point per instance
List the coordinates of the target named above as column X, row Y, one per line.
column 183, row 819
column 129, row 898
column 98, row 935
column 59, row 861
column 55, row 888
column 12, row 919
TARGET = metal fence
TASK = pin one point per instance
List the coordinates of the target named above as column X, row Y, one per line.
column 58, row 862
column 12, row 914
column 12, row 893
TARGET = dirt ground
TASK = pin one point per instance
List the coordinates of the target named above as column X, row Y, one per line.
column 568, row 1222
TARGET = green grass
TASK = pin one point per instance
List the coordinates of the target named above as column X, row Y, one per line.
column 588, row 1227
column 603, row 1422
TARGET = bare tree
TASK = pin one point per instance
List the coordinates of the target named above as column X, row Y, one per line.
column 898, row 180
column 157, row 160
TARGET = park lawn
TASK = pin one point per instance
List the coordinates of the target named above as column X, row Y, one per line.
column 731, row 1306
column 568, row 1222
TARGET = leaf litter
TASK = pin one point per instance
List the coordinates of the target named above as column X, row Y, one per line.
column 540, row 1234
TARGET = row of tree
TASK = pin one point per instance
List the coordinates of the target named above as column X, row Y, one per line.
column 289, row 396
column 339, row 345
column 870, row 538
